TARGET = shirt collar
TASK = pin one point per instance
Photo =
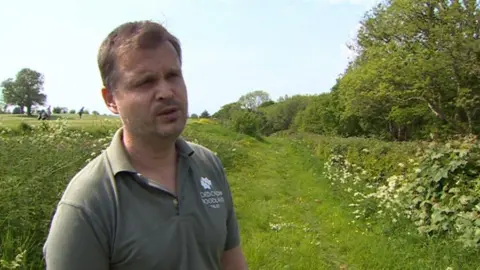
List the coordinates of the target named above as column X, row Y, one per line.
column 120, row 161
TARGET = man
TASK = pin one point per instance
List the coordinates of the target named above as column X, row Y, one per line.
column 80, row 113
column 151, row 200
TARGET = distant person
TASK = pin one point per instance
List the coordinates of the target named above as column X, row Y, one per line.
column 81, row 112
column 42, row 115
column 152, row 200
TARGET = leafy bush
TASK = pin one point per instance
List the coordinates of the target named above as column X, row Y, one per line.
column 248, row 122
column 17, row 110
column 443, row 193
column 25, row 127
column 57, row 110
column 434, row 187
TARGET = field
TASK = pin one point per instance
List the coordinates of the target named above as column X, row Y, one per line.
column 290, row 215
column 87, row 121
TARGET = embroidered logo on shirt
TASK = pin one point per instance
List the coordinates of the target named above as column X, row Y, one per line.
column 211, row 197
column 206, row 183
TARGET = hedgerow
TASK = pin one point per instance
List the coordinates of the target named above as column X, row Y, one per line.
column 434, row 186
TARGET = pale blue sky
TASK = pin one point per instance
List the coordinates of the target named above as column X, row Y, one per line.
column 230, row 47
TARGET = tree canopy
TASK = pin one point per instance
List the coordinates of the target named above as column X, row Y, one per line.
column 25, row 91
column 416, row 73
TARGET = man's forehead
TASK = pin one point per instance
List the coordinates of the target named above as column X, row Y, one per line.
column 150, row 60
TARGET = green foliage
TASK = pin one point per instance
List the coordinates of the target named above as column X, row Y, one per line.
column 319, row 116
column 410, row 79
column 17, row 263
column 57, row 110
column 25, row 91
column 410, row 75
column 17, row 110
column 194, row 116
column 226, row 111
column 281, row 115
column 434, row 187
column 205, row 114
column 274, row 181
column 248, row 122
column 253, row 100
column 444, row 192
column 25, row 127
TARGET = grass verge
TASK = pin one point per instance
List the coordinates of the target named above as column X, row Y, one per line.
column 289, row 216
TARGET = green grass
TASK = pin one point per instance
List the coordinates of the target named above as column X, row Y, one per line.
column 289, row 216
column 87, row 121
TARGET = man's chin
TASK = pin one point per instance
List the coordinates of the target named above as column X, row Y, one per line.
column 171, row 130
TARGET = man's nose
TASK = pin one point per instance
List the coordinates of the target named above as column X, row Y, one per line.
column 164, row 90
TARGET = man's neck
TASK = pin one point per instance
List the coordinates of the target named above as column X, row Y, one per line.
column 149, row 154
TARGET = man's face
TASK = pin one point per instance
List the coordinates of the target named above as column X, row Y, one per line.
column 150, row 95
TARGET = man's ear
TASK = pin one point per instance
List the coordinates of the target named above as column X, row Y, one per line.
column 109, row 100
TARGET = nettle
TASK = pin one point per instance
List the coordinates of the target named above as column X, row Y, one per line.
column 445, row 191
column 439, row 189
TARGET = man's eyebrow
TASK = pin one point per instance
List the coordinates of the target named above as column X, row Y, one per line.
column 175, row 69
column 137, row 76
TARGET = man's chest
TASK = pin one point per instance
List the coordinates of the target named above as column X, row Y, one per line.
column 158, row 230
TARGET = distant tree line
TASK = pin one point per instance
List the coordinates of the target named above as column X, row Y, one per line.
column 25, row 92
column 416, row 74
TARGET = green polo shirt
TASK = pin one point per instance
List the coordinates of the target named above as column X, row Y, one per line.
column 111, row 217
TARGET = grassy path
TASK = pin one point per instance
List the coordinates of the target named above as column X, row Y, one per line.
column 290, row 219
column 289, row 216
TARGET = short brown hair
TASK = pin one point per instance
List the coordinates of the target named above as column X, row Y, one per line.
column 131, row 35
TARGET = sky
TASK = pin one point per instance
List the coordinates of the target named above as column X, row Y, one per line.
column 230, row 47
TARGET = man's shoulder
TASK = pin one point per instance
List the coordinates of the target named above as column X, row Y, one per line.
column 206, row 157
column 200, row 149
column 90, row 185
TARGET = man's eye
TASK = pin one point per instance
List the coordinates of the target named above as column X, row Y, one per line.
column 172, row 75
column 146, row 81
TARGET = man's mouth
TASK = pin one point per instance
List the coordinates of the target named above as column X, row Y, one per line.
column 168, row 111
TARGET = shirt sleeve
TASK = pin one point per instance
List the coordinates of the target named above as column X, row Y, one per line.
column 75, row 241
column 233, row 233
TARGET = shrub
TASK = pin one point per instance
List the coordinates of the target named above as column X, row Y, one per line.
column 434, row 187
column 17, row 110
column 25, row 128
column 248, row 122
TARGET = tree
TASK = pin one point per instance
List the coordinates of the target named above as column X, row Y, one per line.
column 3, row 105
column 59, row 110
column 254, row 99
column 194, row 116
column 251, row 123
column 281, row 114
column 25, row 91
column 226, row 111
column 205, row 114
column 417, row 69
